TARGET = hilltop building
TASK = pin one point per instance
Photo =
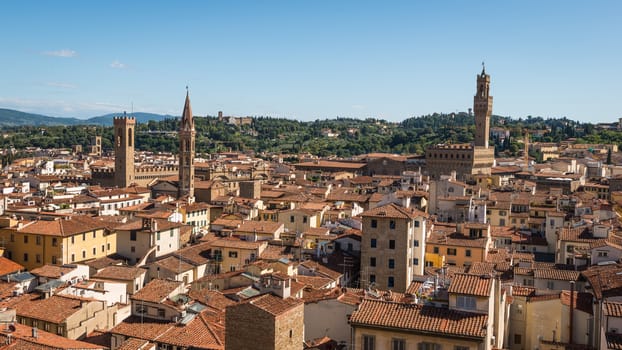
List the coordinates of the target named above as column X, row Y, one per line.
column 467, row 159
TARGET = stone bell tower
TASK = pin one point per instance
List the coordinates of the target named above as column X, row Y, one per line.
column 482, row 105
column 187, row 134
column 124, row 128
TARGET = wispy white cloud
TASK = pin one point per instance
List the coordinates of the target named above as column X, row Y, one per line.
column 61, row 85
column 358, row 107
column 61, row 53
column 117, row 65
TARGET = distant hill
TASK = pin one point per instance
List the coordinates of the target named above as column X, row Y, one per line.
column 140, row 118
column 10, row 117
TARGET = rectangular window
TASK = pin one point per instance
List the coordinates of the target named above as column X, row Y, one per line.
column 94, row 251
column 467, row 252
column 291, row 218
column 415, row 261
column 158, row 236
column 38, row 258
column 132, row 235
column 517, row 339
column 429, row 346
column 391, row 282
column 107, row 246
column 25, row 239
column 466, row 302
column 103, row 248
column 550, row 284
column 233, row 254
column 374, row 223
column 372, row 261
column 171, row 233
column 38, row 240
column 391, row 263
column 391, row 244
column 84, row 236
column 416, row 243
column 25, row 257
column 72, row 239
column 133, row 249
column 369, row 342
column 73, row 257
column 392, row 224
column 54, row 242
column 398, row 344
column 304, row 219
column 451, row 251
column 417, row 223
column 160, row 312
column 373, row 243
column 372, row 278
column 94, row 234
column 84, row 254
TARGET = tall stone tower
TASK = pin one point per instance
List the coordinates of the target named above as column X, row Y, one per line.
column 187, row 135
column 124, row 128
column 482, row 105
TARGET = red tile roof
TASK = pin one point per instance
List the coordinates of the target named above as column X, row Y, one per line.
column 157, row 290
column 392, row 210
column 471, row 284
column 9, row 266
column 419, row 318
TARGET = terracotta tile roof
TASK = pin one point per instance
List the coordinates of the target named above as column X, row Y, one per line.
column 157, row 290
column 471, row 285
column 231, row 242
column 51, row 271
column 22, row 339
column 261, row 227
column 605, row 280
column 173, row 264
column 123, row 273
column 392, row 210
column 62, row 227
column 316, row 282
column 273, row 304
column 330, row 165
column 55, row 309
column 556, row 274
column 8, row 266
column 211, row 298
column 418, row 318
column 200, row 333
column 522, row 291
column 613, row 308
column 133, row 344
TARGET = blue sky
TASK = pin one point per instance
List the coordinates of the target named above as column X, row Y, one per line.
column 312, row 59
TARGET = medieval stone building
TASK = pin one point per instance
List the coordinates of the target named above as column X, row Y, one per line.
column 467, row 160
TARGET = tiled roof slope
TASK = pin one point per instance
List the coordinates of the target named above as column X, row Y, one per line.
column 392, row 210
column 476, row 285
column 422, row 318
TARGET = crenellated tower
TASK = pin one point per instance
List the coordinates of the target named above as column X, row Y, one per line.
column 482, row 105
column 187, row 135
column 124, row 128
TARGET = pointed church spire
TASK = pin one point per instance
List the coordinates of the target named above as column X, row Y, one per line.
column 186, row 116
